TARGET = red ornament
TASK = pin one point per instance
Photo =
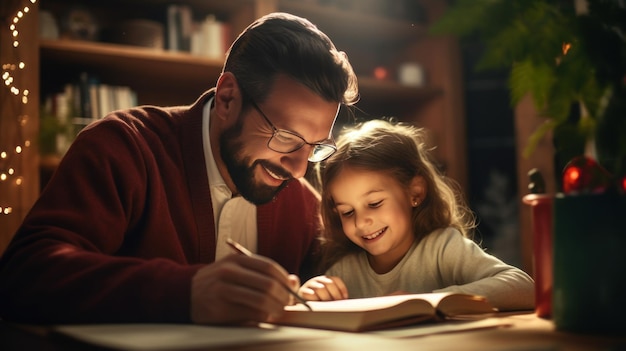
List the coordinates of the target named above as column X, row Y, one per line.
column 583, row 174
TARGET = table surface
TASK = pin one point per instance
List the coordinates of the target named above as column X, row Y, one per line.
column 518, row 332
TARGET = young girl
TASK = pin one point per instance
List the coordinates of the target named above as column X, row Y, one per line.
column 393, row 224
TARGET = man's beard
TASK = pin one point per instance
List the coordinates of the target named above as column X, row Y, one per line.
column 242, row 174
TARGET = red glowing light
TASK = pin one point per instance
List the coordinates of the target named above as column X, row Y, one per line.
column 573, row 174
column 380, row 73
column 571, row 179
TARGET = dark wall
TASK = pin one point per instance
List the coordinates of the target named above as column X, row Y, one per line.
column 491, row 157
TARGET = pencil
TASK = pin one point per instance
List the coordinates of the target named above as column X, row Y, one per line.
column 243, row 251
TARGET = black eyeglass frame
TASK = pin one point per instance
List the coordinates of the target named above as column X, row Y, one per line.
column 328, row 149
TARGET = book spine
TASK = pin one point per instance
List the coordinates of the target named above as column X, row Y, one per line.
column 85, row 101
column 94, row 112
column 185, row 28
column 213, row 37
column 172, row 28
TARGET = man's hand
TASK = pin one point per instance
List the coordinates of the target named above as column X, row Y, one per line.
column 323, row 288
column 239, row 289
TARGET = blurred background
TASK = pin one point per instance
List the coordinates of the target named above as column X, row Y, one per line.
column 418, row 61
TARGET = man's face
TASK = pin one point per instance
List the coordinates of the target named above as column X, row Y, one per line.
column 258, row 172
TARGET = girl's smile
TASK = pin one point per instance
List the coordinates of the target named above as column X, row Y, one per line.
column 375, row 235
column 375, row 212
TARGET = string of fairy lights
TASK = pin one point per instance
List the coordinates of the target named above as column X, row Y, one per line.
column 10, row 152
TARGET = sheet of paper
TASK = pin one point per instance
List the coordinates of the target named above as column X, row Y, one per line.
column 441, row 327
column 182, row 336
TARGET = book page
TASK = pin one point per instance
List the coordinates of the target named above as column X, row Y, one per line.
column 370, row 303
column 458, row 305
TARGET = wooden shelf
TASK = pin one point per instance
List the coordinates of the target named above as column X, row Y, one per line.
column 133, row 62
column 220, row 7
column 130, row 64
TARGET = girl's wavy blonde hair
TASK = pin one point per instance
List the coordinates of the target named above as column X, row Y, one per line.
column 398, row 150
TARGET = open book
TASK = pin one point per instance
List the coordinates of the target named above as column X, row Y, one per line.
column 385, row 311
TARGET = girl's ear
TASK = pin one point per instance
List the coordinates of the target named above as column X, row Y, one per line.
column 417, row 190
column 227, row 96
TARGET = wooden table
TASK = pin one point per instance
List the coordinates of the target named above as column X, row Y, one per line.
column 517, row 332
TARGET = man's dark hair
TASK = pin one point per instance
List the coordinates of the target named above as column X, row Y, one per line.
column 281, row 43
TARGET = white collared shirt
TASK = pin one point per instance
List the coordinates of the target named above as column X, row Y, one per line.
column 235, row 217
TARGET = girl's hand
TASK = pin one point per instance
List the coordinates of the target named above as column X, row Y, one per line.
column 323, row 288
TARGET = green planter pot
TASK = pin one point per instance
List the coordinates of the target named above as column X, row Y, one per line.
column 589, row 289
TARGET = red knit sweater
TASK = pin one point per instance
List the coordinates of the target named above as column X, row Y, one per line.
column 126, row 221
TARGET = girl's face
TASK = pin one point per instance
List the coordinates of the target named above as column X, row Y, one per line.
column 375, row 211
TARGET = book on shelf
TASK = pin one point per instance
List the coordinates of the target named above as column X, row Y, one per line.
column 179, row 27
column 384, row 312
column 94, row 99
column 209, row 37
column 67, row 112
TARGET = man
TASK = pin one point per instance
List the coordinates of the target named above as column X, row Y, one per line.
column 133, row 225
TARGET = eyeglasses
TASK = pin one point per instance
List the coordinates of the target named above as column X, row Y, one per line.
column 285, row 142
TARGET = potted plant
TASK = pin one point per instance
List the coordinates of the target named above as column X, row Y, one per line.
column 570, row 57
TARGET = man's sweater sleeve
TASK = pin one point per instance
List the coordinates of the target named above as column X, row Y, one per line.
column 75, row 258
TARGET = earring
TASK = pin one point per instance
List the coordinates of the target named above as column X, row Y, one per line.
column 415, row 203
